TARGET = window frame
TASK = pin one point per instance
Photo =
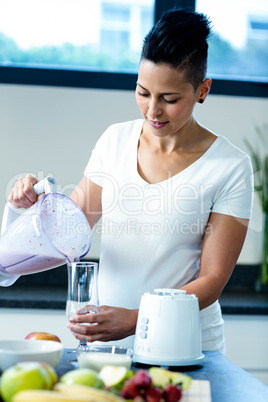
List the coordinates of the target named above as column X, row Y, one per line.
column 65, row 77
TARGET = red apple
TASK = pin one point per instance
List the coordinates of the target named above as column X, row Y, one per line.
column 44, row 336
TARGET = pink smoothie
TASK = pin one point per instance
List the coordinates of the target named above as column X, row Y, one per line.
column 21, row 263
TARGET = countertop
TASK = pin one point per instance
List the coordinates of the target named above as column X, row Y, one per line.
column 48, row 290
column 37, row 297
column 229, row 383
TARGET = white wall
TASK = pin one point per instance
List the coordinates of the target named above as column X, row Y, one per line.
column 246, row 343
column 50, row 130
column 21, row 322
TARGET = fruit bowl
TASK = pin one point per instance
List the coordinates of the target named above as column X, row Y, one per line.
column 16, row 351
column 98, row 356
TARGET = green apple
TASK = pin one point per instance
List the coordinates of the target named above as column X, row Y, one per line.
column 52, row 373
column 83, row 376
column 112, row 376
column 24, row 375
column 162, row 377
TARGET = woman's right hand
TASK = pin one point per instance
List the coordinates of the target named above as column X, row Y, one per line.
column 23, row 195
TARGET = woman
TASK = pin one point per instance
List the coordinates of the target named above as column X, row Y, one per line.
column 175, row 198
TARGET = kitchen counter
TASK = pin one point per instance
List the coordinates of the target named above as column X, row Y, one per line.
column 244, row 302
column 54, row 298
column 48, row 290
column 249, row 303
column 228, row 382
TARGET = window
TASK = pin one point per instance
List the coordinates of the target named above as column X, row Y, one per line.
column 97, row 43
column 241, row 35
column 100, row 35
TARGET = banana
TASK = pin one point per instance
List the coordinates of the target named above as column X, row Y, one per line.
column 38, row 395
column 67, row 393
column 93, row 394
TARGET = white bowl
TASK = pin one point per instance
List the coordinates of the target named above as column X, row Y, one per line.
column 16, row 351
column 98, row 356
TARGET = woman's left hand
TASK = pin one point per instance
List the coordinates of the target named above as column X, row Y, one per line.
column 109, row 324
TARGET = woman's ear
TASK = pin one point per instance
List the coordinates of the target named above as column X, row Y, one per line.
column 203, row 90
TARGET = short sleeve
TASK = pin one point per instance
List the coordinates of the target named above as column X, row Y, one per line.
column 235, row 197
column 95, row 169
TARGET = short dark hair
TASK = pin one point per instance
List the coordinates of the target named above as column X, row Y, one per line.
column 179, row 39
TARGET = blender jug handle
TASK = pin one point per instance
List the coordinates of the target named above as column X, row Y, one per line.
column 47, row 185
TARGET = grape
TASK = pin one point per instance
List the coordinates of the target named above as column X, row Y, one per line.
column 130, row 391
column 142, row 379
column 153, row 394
column 172, row 393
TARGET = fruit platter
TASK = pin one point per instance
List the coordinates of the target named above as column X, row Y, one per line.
column 38, row 381
column 33, row 381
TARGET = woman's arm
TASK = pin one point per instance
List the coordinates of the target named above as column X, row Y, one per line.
column 222, row 244
column 87, row 195
column 111, row 323
column 221, row 247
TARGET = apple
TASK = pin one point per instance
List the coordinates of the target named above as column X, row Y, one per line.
column 44, row 336
column 24, row 375
column 83, row 376
column 52, row 374
column 113, row 376
column 162, row 377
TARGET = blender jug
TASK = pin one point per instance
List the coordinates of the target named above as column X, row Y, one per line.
column 50, row 233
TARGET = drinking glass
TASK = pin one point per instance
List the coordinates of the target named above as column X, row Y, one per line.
column 82, row 291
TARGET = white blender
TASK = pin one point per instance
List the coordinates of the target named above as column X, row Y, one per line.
column 168, row 330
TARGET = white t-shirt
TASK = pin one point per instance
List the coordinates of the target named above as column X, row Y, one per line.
column 152, row 233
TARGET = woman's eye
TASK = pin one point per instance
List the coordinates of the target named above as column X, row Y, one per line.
column 171, row 101
column 143, row 94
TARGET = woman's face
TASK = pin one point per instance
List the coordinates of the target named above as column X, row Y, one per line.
column 165, row 99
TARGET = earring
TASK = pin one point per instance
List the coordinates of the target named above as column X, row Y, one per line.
column 201, row 100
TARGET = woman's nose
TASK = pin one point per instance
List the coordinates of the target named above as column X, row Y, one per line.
column 154, row 109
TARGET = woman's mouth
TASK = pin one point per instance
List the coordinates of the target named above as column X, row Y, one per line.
column 157, row 124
